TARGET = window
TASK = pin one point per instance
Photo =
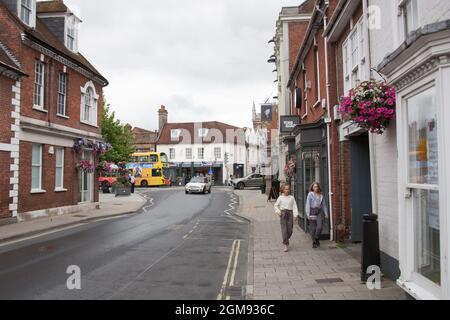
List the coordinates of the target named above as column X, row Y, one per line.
column 201, row 153
column 203, row 132
column 26, row 11
column 189, row 153
column 172, row 154
column 89, row 104
column 62, row 94
column 410, row 16
column 175, row 134
column 353, row 56
column 218, row 153
column 39, row 84
column 36, row 167
column 71, row 34
column 59, row 172
column 156, row 173
column 317, row 73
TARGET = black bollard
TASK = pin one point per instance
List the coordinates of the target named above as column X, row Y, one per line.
column 370, row 255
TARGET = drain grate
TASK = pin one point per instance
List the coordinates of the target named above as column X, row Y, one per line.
column 330, row 280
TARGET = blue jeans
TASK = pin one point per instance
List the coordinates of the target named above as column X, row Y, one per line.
column 315, row 227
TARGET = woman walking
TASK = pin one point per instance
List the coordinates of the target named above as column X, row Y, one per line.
column 316, row 212
column 286, row 208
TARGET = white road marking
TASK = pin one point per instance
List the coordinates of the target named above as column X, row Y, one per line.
column 233, row 273
column 225, row 279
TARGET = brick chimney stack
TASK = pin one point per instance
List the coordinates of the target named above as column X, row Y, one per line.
column 163, row 117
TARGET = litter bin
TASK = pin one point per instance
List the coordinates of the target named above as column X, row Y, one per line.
column 370, row 255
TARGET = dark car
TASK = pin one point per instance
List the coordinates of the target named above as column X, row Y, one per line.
column 251, row 181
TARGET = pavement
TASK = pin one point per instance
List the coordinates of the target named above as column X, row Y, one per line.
column 328, row 273
column 110, row 206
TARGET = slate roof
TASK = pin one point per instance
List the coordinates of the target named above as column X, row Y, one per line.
column 165, row 136
column 42, row 35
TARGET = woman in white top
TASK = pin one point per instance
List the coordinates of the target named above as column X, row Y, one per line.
column 286, row 208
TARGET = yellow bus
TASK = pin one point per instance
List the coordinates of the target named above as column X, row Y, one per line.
column 150, row 169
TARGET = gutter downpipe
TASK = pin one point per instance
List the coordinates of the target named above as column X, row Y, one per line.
column 327, row 76
column 372, row 146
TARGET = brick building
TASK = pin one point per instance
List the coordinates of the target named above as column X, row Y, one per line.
column 10, row 76
column 144, row 140
column 290, row 29
column 60, row 104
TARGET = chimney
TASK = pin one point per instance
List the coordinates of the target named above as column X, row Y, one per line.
column 163, row 117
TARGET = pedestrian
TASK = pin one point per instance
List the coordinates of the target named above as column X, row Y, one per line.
column 286, row 209
column 316, row 213
column 133, row 182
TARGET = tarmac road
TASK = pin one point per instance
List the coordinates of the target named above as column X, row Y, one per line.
column 177, row 247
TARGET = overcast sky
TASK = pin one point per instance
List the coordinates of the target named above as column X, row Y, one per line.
column 205, row 60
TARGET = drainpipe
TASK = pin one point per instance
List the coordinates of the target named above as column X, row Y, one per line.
column 372, row 148
column 327, row 76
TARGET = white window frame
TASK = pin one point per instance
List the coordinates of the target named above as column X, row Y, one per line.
column 71, row 33
column 189, row 153
column 31, row 7
column 410, row 279
column 38, row 165
column 39, row 85
column 172, row 153
column 218, row 153
column 203, row 132
column 305, row 80
column 201, row 153
column 93, row 111
column 62, row 95
column 59, row 185
column 175, row 134
column 354, row 58
column 318, row 86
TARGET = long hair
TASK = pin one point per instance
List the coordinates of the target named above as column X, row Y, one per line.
column 312, row 187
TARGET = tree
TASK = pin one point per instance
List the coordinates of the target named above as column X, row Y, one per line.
column 119, row 136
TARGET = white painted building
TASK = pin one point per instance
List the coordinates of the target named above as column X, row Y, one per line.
column 208, row 148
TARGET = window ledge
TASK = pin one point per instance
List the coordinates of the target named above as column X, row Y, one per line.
column 37, row 108
column 37, row 191
column 89, row 123
column 61, row 190
column 62, row 116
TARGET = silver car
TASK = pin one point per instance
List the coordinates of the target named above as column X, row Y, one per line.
column 198, row 185
column 251, row 181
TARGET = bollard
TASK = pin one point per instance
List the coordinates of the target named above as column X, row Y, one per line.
column 370, row 255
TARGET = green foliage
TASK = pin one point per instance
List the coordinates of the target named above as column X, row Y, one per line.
column 118, row 135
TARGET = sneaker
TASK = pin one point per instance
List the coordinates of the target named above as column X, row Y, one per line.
column 314, row 245
column 318, row 243
column 286, row 249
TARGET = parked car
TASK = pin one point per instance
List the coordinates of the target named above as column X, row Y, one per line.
column 251, row 181
column 198, row 185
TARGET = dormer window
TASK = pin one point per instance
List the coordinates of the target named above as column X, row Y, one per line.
column 27, row 12
column 175, row 134
column 203, row 132
column 71, row 33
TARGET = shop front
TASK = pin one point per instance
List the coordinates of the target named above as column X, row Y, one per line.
column 182, row 172
column 312, row 166
column 421, row 74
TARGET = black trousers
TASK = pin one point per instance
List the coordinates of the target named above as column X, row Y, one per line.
column 287, row 225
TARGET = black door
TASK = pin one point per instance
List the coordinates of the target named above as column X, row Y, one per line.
column 361, row 191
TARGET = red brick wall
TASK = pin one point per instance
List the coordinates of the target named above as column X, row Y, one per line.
column 296, row 36
column 5, row 109
column 5, row 137
column 5, row 161
column 341, row 165
column 75, row 81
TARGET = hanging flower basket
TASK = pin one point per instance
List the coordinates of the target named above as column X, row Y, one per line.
column 289, row 169
column 371, row 105
column 98, row 148
column 85, row 166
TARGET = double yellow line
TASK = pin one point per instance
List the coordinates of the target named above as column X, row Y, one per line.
column 230, row 273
